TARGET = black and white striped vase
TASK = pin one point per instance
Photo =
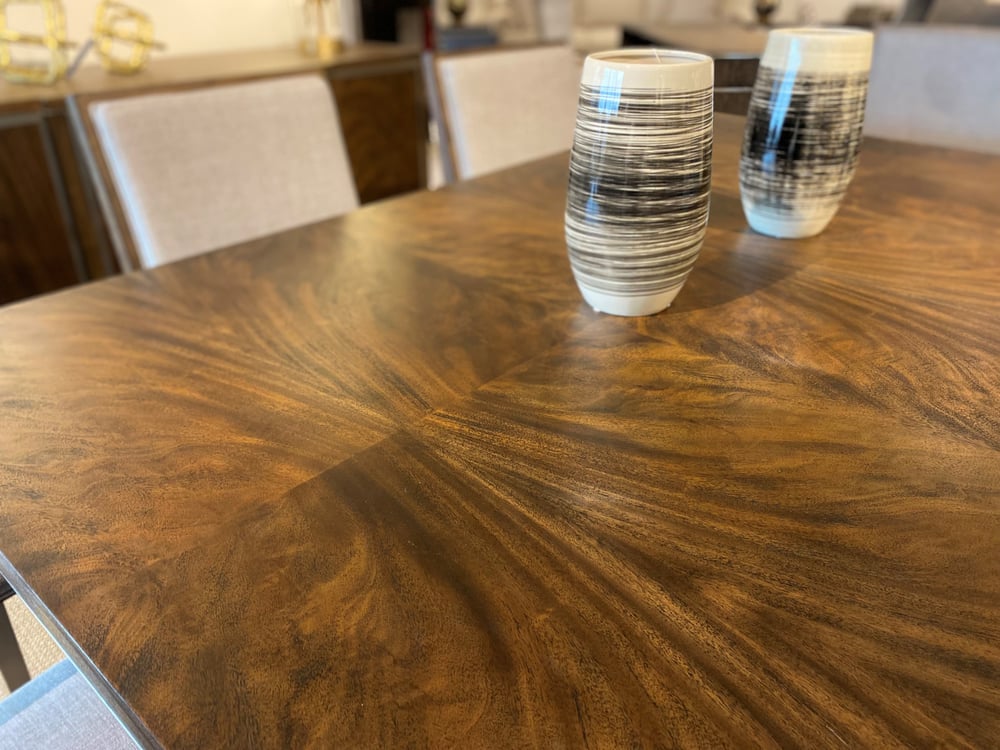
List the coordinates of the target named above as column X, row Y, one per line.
column 803, row 131
column 640, row 174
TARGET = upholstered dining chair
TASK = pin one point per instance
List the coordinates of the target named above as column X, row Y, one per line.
column 181, row 173
column 936, row 85
column 501, row 107
column 58, row 710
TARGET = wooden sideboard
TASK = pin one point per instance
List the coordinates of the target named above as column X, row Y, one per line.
column 51, row 231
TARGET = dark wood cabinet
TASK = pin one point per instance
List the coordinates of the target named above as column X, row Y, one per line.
column 38, row 244
column 385, row 128
column 51, row 233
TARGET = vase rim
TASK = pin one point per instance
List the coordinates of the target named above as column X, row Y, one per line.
column 636, row 56
column 819, row 50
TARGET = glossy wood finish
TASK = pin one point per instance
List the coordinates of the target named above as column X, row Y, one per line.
column 387, row 482
column 44, row 246
column 379, row 95
column 383, row 122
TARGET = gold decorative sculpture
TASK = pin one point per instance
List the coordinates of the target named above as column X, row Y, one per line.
column 118, row 23
column 321, row 31
column 458, row 8
column 52, row 40
column 764, row 9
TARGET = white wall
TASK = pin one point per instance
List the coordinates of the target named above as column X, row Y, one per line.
column 195, row 26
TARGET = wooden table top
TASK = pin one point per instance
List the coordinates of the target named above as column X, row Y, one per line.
column 202, row 68
column 386, row 481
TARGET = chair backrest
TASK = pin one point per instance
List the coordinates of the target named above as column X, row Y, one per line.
column 184, row 172
column 498, row 108
column 555, row 18
column 936, row 85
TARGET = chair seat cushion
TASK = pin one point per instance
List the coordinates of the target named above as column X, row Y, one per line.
column 58, row 710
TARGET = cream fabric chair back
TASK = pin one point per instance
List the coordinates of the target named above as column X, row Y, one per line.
column 937, row 85
column 198, row 170
column 499, row 108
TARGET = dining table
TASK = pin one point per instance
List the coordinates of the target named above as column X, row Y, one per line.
column 387, row 481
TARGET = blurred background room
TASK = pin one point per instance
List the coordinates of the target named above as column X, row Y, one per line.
column 104, row 106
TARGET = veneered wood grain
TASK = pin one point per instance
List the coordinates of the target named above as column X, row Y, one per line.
column 386, row 481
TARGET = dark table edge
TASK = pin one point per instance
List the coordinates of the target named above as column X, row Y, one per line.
column 118, row 706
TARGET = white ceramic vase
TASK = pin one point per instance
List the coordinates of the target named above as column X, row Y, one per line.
column 640, row 174
column 803, row 131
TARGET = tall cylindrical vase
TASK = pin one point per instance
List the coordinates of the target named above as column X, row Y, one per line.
column 803, row 131
column 640, row 174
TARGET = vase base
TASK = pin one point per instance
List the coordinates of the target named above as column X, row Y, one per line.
column 787, row 228
column 630, row 306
